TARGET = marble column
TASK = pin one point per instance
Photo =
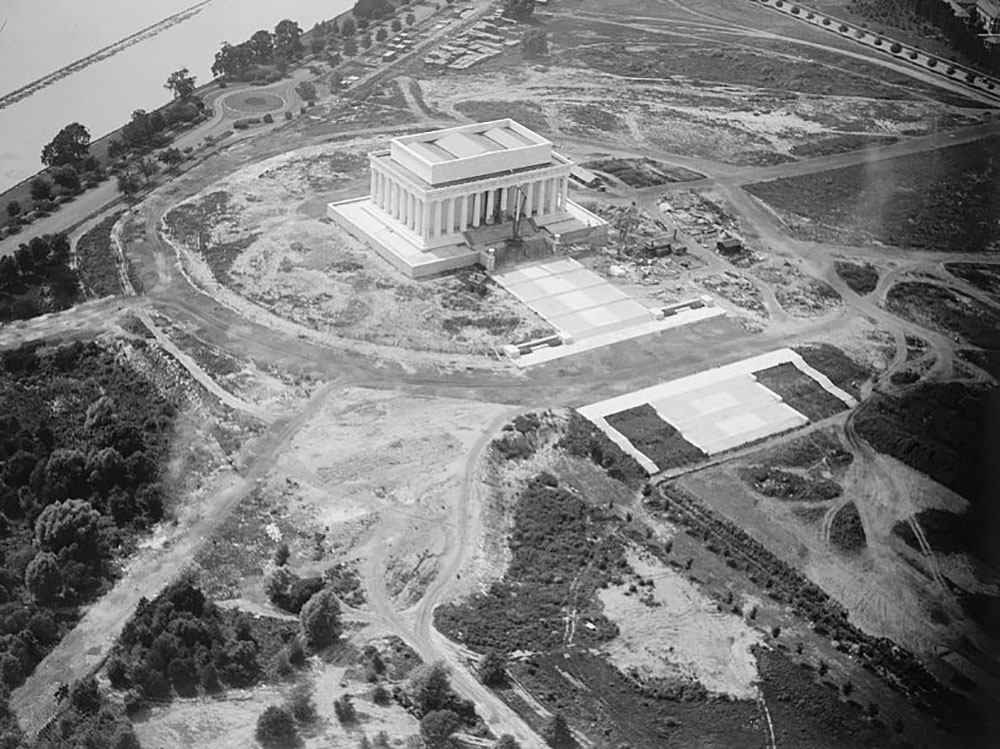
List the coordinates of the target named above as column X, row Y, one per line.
column 530, row 202
column 477, row 208
column 436, row 216
column 464, row 221
column 553, row 193
column 490, row 197
column 565, row 192
column 451, row 215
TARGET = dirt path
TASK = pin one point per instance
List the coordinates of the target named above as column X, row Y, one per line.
column 86, row 647
column 415, row 624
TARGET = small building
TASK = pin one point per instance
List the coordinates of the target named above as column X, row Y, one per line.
column 584, row 177
column 729, row 246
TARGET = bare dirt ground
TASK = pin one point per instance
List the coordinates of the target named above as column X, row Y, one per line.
column 675, row 631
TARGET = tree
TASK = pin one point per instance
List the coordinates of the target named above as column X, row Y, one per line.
column 40, row 189
column 557, row 733
column 287, row 39
column 350, row 48
column 67, row 177
column 366, row 41
column 261, row 45
column 147, row 167
column 410, row 19
column 437, row 727
column 43, row 577
column 128, row 183
column 276, row 728
column 170, row 157
column 13, row 208
column 535, row 42
column 70, row 146
column 85, row 697
column 396, row 26
column 181, row 82
column 320, row 620
column 429, row 688
column 71, row 523
column 381, row 34
column 232, row 61
column 506, row 742
column 348, row 29
column 492, row 669
column 519, row 9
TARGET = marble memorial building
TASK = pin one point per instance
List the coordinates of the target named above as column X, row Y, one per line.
column 438, row 198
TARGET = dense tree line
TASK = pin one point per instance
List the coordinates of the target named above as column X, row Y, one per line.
column 37, row 279
column 263, row 48
column 82, row 439
column 964, row 36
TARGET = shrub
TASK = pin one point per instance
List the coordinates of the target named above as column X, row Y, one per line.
column 300, row 704
column 437, row 727
column 380, row 695
column 896, row 48
column 796, row 10
column 914, row 54
column 931, row 62
column 276, row 728
column 320, row 620
column 779, row 4
column 288, row 115
column 843, row 29
column 343, row 707
column 826, row 21
column 951, row 70
column 268, row 119
column 878, row 41
column 970, row 77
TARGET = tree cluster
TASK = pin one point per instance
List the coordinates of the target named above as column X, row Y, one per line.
column 82, row 437
column 261, row 49
column 37, row 279
column 181, row 643
column 964, row 36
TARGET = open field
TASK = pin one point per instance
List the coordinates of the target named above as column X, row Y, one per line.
column 874, row 203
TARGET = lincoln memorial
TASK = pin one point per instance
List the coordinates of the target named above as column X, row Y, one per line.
column 440, row 200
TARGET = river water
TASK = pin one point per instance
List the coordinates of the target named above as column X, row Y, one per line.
column 40, row 36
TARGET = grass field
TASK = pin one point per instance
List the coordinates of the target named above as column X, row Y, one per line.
column 861, row 277
column 846, row 531
column 945, row 309
column 953, row 207
column 843, row 371
column 655, row 438
column 642, row 172
column 800, row 391
column 984, row 276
